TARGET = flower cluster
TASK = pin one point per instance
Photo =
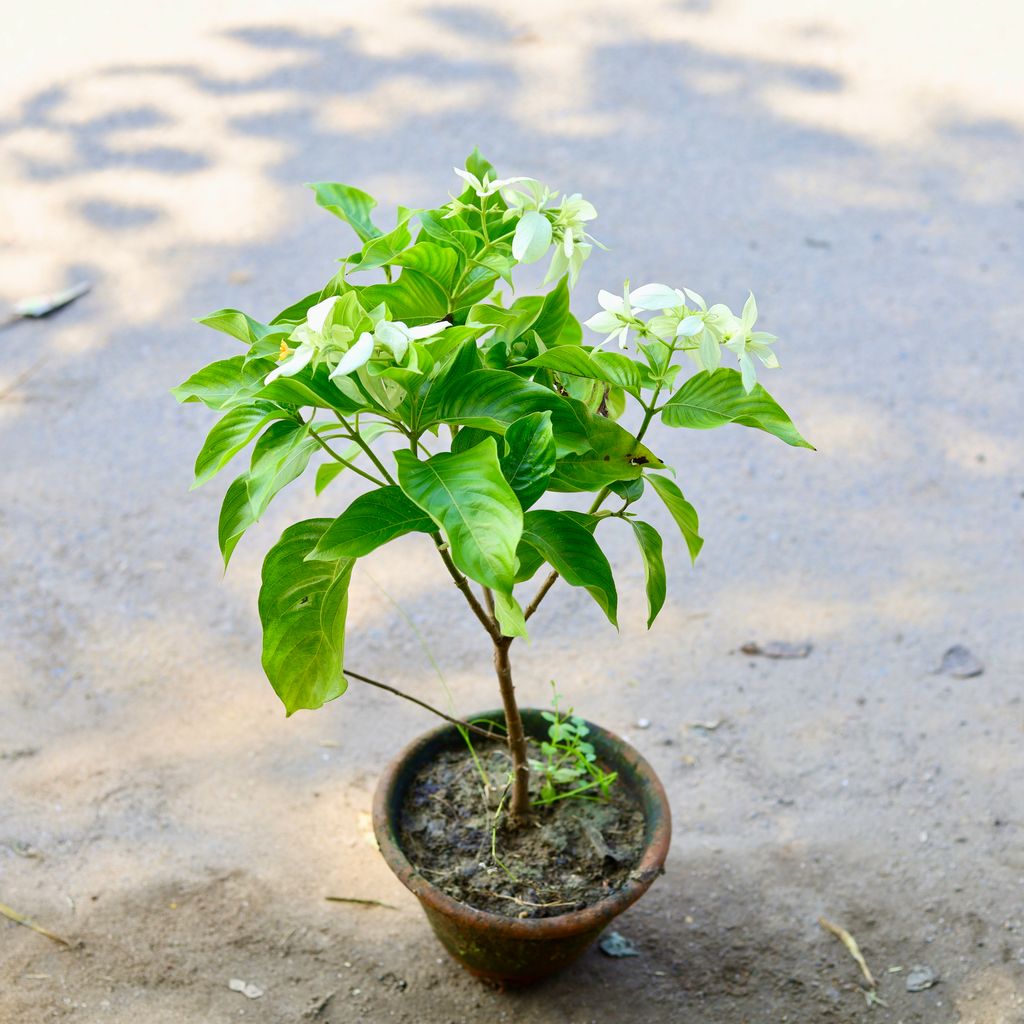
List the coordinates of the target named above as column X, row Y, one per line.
column 685, row 322
column 321, row 341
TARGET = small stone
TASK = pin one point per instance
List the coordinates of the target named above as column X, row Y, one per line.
column 921, row 978
column 247, row 989
column 643, row 723
column 777, row 649
column 614, row 944
column 960, row 663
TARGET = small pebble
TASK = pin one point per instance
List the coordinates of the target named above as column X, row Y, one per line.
column 921, row 978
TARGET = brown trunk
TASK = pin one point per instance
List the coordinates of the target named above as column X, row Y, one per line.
column 520, row 805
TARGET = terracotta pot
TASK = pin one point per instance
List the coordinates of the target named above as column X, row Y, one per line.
column 511, row 951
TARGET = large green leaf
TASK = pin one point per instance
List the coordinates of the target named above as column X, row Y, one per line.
column 710, row 399
column 350, row 204
column 239, row 325
column 649, row 541
column 371, row 520
column 609, row 367
column 488, row 399
column 315, row 388
column 681, row 510
column 415, row 298
column 231, row 434
column 303, row 605
column 224, row 383
column 554, row 313
column 280, row 455
column 571, row 549
column 530, row 456
column 466, row 495
column 382, row 249
column 432, row 261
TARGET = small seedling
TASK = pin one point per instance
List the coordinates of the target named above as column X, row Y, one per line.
column 569, row 767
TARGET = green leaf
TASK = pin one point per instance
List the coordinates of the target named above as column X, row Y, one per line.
column 371, row 520
column 230, row 435
column 573, row 552
column 509, row 323
column 710, row 399
column 383, row 249
column 682, row 512
column 649, row 541
column 488, row 399
column 296, row 313
column 303, row 605
column 435, row 262
column 414, row 298
column 238, row 325
column 471, row 501
column 611, row 454
column 609, row 367
column 312, row 387
column 553, row 313
column 224, row 383
column 509, row 614
column 350, row 204
column 280, row 455
column 530, row 456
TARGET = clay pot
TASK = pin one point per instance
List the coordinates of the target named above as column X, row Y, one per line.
column 511, row 951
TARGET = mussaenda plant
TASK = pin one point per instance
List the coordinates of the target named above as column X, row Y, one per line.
column 463, row 409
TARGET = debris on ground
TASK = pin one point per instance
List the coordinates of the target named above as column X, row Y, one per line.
column 960, row 663
column 21, row 919
column 777, row 649
column 852, row 948
column 360, row 902
column 247, row 988
column 643, row 723
column 709, row 726
column 614, row 944
column 44, row 305
column 921, row 978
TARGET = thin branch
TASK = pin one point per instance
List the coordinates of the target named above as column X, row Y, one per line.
column 354, row 434
column 463, row 584
column 539, row 596
column 486, row 733
column 348, row 465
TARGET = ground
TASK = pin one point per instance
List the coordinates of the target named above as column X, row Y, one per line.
column 858, row 167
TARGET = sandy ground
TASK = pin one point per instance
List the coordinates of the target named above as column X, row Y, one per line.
column 859, row 167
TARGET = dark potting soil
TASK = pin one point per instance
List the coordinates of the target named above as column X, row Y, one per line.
column 568, row 855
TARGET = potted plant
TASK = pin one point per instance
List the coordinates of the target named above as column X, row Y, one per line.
column 462, row 410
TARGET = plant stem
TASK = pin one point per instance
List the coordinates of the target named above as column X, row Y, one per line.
column 348, row 465
column 520, row 804
column 423, row 704
column 354, row 434
column 552, row 578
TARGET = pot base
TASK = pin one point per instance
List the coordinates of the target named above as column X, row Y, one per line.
column 509, row 951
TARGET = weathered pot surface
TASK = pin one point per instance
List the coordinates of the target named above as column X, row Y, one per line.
column 513, row 951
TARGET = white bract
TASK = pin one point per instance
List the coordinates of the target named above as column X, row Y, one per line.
column 573, row 244
column 391, row 335
column 487, row 185
column 616, row 316
column 743, row 341
column 315, row 341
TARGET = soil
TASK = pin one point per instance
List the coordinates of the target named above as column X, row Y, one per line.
column 568, row 855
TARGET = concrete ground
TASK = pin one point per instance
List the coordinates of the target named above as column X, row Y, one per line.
column 857, row 166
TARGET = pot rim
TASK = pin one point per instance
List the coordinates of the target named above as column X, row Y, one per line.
column 591, row 917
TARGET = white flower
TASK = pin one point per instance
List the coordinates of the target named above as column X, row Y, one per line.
column 743, row 341
column 394, row 336
column 487, row 186
column 616, row 317
column 530, row 195
column 653, row 297
column 574, row 245
column 310, row 337
column 532, row 238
